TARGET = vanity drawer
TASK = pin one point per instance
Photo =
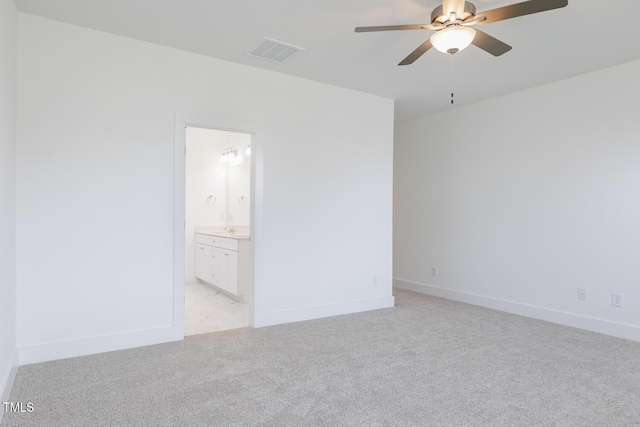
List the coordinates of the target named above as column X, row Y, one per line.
column 220, row 242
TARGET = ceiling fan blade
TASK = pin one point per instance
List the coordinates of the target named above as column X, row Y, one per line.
column 394, row 28
column 490, row 44
column 455, row 6
column 521, row 9
column 417, row 53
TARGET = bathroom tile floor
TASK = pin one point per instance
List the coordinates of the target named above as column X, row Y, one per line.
column 208, row 310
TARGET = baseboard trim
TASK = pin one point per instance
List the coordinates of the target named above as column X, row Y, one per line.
column 321, row 311
column 83, row 347
column 607, row 327
column 7, row 379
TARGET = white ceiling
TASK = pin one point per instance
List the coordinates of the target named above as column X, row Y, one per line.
column 582, row 37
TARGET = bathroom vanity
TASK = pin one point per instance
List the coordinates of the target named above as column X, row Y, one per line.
column 223, row 260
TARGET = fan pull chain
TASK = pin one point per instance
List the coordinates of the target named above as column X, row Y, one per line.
column 452, row 78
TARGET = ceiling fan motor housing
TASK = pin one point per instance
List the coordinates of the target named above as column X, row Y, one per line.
column 438, row 16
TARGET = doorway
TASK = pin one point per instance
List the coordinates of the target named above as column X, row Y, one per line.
column 216, row 208
column 217, row 230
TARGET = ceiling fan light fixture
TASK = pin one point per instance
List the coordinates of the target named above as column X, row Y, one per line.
column 453, row 39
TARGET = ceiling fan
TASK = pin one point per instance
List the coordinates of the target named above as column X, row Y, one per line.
column 452, row 24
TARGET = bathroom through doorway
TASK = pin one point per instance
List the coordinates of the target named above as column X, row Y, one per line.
column 218, row 230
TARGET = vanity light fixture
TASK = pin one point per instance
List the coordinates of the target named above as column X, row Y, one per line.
column 229, row 155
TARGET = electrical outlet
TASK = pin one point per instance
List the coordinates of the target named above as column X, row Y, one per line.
column 616, row 300
column 582, row 294
column 434, row 271
column 374, row 281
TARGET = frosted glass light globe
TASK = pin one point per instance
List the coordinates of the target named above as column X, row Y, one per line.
column 453, row 39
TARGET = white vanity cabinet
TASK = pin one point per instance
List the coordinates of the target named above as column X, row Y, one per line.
column 224, row 263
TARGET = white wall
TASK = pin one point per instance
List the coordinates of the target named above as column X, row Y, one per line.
column 522, row 199
column 8, row 354
column 206, row 176
column 96, row 116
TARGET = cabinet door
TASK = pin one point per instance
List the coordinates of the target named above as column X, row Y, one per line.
column 202, row 264
column 229, row 271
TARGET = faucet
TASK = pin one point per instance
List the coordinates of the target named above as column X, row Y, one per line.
column 229, row 230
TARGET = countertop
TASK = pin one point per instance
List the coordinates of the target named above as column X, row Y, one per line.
column 239, row 234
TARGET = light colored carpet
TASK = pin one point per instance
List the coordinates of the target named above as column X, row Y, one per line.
column 427, row 362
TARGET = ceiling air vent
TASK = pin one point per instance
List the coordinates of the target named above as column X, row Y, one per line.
column 274, row 50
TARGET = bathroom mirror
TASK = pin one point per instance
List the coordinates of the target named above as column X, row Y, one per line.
column 238, row 190
column 218, row 178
